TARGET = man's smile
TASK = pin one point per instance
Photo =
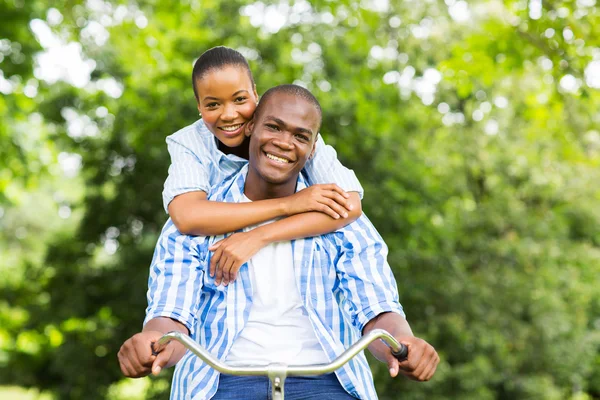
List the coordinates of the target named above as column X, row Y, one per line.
column 278, row 159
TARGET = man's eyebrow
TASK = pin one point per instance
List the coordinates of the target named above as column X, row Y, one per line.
column 280, row 122
column 235, row 94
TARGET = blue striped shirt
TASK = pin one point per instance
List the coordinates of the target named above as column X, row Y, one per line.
column 343, row 277
column 198, row 164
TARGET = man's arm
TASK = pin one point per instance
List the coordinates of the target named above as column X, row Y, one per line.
column 174, row 289
column 422, row 359
column 136, row 356
column 370, row 287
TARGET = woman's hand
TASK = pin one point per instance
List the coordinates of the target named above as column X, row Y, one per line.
column 233, row 252
column 328, row 198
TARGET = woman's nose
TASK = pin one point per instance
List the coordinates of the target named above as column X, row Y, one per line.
column 229, row 112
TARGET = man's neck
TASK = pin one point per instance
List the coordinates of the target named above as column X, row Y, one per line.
column 256, row 188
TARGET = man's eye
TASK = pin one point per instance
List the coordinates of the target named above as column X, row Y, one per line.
column 272, row 127
column 304, row 138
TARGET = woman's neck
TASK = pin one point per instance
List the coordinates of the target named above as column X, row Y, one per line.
column 240, row 151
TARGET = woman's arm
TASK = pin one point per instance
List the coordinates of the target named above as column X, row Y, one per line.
column 232, row 252
column 193, row 214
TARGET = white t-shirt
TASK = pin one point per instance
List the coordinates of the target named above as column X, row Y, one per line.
column 278, row 327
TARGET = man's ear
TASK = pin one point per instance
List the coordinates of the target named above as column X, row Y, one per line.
column 249, row 127
column 312, row 152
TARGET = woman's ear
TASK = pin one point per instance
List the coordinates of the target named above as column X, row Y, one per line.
column 255, row 94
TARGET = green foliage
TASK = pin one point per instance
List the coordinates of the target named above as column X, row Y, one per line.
column 476, row 142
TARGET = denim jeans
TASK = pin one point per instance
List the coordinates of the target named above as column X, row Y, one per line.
column 296, row 388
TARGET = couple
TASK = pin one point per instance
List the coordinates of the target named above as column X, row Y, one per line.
column 298, row 302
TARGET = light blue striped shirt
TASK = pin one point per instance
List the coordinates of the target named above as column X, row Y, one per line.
column 198, row 164
column 343, row 277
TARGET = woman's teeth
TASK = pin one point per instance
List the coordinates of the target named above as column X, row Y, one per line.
column 231, row 128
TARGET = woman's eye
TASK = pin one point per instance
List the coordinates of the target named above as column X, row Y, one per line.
column 240, row 99
column 211, row 105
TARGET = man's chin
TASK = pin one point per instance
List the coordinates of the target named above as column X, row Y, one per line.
column 276, row 178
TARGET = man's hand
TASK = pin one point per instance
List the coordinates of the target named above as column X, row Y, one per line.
column 231, row 253
column 422, row 358
column 421, row 363
column 136, row 358
column 328, row 198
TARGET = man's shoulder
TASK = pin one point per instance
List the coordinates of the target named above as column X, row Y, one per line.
column 231, row 188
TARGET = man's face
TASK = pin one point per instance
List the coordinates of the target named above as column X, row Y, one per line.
column 283, row 138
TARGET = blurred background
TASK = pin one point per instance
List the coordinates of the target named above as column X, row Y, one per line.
column 473, row 126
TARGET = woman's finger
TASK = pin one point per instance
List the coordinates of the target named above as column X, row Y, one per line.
column 214, row 261
column 335, row 188
column 215, row 245
column 227, row 265
column 335, row 207
column 325, row 209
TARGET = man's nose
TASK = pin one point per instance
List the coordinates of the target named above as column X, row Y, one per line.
column 284, row 141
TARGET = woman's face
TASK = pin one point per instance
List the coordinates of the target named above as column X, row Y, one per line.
column 227, row 100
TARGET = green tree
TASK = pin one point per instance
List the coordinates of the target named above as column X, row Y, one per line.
column 472, row 126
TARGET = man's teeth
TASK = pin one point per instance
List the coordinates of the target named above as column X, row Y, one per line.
column 231, row 128
column 275, row 158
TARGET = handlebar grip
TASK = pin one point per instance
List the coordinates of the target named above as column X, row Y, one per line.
column 401, row 354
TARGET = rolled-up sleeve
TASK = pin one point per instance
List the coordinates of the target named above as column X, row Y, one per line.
column 364, row 273
column 324, row 167
column 175, row 282
column 187, row 172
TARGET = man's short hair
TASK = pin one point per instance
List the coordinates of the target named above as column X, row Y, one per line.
column 293, row 90
column 217, row 58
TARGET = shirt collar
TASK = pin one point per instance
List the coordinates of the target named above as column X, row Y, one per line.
column 235, row 193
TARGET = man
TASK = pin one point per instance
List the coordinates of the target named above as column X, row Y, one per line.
column 301, row 302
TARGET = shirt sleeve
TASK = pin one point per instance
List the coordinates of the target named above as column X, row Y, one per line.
column 175, row 282
column 187, row 172
column 365, row 276
column 324, row 167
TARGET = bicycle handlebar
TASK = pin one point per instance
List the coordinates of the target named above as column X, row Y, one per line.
column 399, row 350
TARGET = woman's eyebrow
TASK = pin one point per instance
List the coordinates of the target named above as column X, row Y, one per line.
column 235, row 94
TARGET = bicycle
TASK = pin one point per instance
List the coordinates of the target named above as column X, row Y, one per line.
column 278, row 372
